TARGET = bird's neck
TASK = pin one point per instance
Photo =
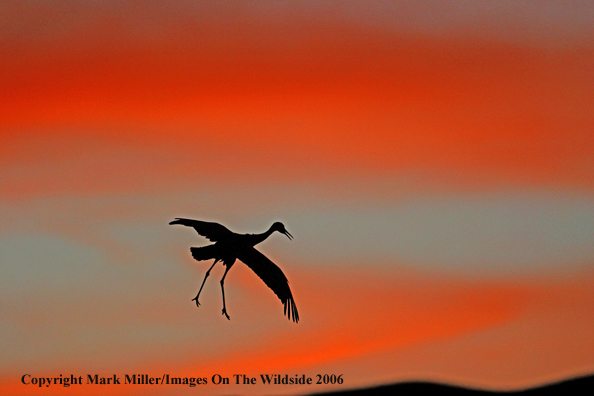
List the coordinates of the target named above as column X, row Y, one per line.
column 257, row 238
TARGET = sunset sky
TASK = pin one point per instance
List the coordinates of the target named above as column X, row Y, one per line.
column 433, row 160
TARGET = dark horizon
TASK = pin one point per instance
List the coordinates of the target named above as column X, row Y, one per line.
column 573, row 386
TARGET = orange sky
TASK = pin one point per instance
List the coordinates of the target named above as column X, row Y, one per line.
column 390, row 327
column 346, row 98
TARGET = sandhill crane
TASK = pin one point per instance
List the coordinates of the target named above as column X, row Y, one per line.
column 230, row 246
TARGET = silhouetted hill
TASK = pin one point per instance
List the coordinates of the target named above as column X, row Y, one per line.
column 578, row 386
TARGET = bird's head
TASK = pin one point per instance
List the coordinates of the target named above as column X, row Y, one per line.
column 278, row 226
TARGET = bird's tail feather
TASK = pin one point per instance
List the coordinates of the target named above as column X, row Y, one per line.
column 204, row 252
column 291, row 310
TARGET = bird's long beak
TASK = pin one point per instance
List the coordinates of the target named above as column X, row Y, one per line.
column 288, row 235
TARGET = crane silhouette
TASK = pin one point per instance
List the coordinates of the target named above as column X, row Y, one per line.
column 229, row 247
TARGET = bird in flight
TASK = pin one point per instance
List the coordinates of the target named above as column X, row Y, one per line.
column 229, row 246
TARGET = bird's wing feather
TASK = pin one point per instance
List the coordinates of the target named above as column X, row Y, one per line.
column 212, row 231
column 272, row 275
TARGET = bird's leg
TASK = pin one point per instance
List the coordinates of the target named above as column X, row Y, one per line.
column 204, row 281
column 223, row 290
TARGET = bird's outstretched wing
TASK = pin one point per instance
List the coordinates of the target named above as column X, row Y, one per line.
column 212, row 231
column 272, row 275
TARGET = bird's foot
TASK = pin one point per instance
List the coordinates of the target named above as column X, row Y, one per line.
column 225, row 313
column 196, row 299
